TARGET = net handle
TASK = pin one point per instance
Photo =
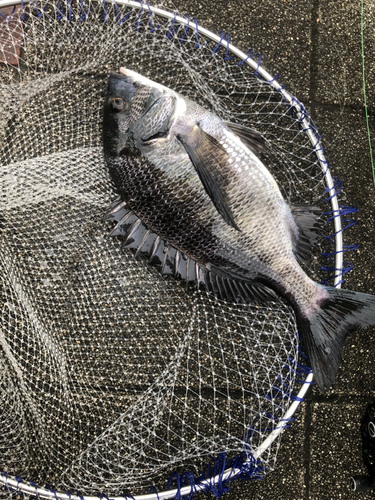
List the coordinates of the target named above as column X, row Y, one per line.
column 304, row 119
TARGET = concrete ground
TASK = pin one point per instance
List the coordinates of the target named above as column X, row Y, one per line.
column 316, row 47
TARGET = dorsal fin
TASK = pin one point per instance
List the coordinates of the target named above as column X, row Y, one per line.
column 309, row 228
column 116, row 210
column 172, row 261
column 130, row 227
column 168, row 265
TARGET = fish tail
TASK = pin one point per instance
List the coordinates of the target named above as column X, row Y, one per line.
column 324, row 332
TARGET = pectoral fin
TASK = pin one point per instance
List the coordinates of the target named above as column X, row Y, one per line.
column 210, row 160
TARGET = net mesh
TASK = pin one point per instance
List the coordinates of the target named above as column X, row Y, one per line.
column 113, row 377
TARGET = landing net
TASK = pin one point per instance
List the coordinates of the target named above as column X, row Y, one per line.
column 116, row 380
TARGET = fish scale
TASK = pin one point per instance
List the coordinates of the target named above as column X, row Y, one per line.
column 198, row 192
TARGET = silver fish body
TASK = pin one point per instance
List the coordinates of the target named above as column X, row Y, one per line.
column 196, row 183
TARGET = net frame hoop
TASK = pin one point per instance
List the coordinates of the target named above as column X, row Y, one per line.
column 17, row 484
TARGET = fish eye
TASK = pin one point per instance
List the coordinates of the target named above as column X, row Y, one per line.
column 118, row 104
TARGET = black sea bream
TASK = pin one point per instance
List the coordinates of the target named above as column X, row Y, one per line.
column 197, row 199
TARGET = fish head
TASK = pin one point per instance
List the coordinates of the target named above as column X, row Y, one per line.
column 127, row 100
column 154, row 109
column 136, row 109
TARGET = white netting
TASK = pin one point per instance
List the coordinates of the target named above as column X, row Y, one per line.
column 112, row 376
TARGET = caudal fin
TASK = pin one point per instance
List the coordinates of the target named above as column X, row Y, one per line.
column 324, row 334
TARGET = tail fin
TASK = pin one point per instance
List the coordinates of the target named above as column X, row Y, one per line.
column 324, row 333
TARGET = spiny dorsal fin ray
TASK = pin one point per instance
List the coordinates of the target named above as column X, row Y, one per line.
column 129, row 226
column 190, row 270
column 123, row 225
column 158, row 252
column 146, row 243
column 181, row 266
column 135, row 234
column 117, row 210
column 169, row 261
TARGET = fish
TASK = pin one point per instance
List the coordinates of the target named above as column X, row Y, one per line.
column 196, row 199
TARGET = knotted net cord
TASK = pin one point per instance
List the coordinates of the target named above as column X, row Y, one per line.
column 115, row 378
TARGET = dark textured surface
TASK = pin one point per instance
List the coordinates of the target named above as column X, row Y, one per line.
column 273, row 29
column 333, row 448
column 316, row 47
column 340, row 68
